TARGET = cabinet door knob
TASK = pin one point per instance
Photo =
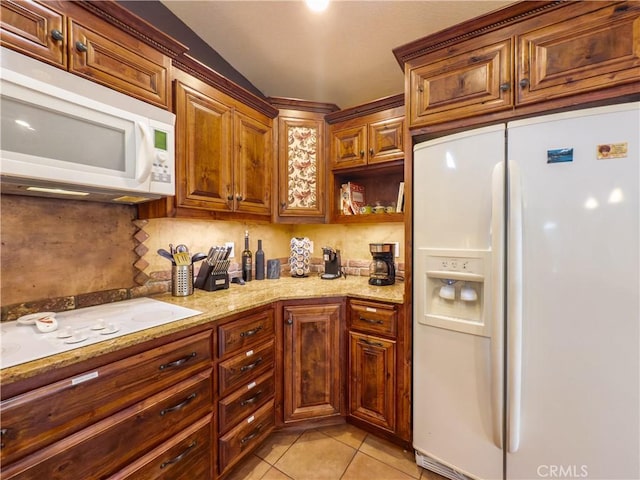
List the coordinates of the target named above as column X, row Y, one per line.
column 504, row 87
column 57, row 35
column 524, row 82
column 239, row 197
column 361, row 153
column 420, row 88
column 229, row 197
column 289, row 320
column 81, row 47
column 283, row 205
column 371, row 152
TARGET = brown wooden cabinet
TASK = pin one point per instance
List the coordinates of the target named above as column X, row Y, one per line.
column 367, row 148
column 246, row 384
column 312, row 361
column 302, row 181
column 527, row 58
column 379, row 368
column 67, row 35
column 74, row 427
column 374, row 138
column 224, row 155
column 372, row 388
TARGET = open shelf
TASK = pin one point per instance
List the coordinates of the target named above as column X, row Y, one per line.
column 381, row 183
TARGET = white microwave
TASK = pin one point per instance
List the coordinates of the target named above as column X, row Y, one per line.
column 67, row 137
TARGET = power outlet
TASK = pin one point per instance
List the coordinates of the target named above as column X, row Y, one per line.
column 233, row 249
column 396, row 249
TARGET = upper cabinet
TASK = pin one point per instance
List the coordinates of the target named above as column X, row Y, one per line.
column 301, row 161
column 366, row 150
column 83, row 38
column 524, row 59
column 225, row 144
column 374, row 138
column 224, row 151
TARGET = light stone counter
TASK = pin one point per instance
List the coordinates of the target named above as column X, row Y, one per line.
column 215, row 306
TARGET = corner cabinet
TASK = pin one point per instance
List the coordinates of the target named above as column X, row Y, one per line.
column 85, row 38
column 526, row 58
column 367, row 148
column 312, row 360
column 302, row 184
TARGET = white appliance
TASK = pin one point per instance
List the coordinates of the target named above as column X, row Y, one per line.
column 22, row 342
column 62, row 134
column 526, row 298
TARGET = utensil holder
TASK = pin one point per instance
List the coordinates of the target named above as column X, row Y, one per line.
column 182, row 280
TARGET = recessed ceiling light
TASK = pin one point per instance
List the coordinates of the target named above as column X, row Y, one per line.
column 317, row 5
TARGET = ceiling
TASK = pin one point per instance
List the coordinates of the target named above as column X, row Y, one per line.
column 342, row 56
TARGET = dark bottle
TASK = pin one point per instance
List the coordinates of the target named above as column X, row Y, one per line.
column 259, row 262
column 246, row 259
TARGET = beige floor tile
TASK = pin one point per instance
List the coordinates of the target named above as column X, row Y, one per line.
column 346, row 433
column 315, row 456
column 275, row 474
column 252, row 468
column 364, row 467
column 275, row 446
column 391, row 454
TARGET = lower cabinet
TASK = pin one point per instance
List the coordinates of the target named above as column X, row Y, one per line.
column 246, row 385
column 372, row 395
column 312, row 379
column 379, row 385
column 97, row 423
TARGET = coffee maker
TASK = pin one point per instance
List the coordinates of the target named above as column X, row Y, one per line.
column 332, row 267
column 382, row 270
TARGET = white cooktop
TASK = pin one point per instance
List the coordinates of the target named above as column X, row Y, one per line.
column 23, row 343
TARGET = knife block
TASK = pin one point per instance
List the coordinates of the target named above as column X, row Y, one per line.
column 210, row 278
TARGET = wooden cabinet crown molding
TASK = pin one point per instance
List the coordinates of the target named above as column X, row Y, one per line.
column 379, row 105
column 473, row 28
column 193, row 67
column 117, row 15
column 283, row 103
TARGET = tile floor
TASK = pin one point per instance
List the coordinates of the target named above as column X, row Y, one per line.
column 341, row 452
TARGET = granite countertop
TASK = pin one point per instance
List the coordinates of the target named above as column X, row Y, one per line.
column 215, row 306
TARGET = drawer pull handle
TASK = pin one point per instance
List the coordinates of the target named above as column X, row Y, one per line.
column 251, row 400
column 57, row 35
column 371, row 344
column 179, row 406
column 250, row 333
column 369, row 320
column 3, row 432
column 252, row 435
column 251, row 366
column 179, row 457
column 177, row 363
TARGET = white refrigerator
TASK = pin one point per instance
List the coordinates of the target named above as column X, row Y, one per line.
column 526, row 320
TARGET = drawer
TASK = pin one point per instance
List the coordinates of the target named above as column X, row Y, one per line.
column 244, row 437
column 114, row 442
column 241, row 334
column 187, row 455
column 244, row 367
column 44, row 415
column 373, row 317
column 244, row 401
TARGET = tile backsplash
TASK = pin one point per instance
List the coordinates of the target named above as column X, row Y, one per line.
column 67, row 253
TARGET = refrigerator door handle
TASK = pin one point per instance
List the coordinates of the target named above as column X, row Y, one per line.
column 497, row 281
column 514, row 306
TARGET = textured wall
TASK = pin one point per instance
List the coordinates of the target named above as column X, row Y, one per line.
column 52, row 248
